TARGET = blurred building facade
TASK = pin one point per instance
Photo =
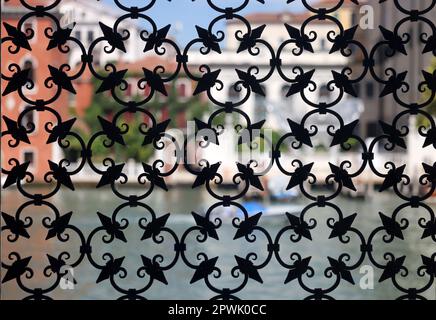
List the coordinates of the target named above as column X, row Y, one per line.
column 37, row 152
column 87, row 16
column 378, row 108
column 275, row 107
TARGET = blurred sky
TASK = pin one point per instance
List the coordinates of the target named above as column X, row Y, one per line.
column 183, row 15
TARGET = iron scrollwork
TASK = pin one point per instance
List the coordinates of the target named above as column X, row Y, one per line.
column 297, row 268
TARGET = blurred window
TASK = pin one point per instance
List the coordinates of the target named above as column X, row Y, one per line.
column 285, row 90
column 90, row 36
column 372, row 129
column 129, row 90
column 370, row 89
column 353, row 18
column 27, row 28
column 29, row 156
column 183, row 88
column 29, row 119
column 357, row 88
column 322, row 45
column 260, row 107
column 28, row 64
column 234, row 94
column 324, row 91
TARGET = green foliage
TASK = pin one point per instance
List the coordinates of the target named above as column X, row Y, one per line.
column 192, row 106
column 105, row 106
column 101, row 106
column 353, row 143
column 133, row 139
column 320, row 147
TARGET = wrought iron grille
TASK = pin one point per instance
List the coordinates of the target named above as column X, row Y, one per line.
column 183, row 248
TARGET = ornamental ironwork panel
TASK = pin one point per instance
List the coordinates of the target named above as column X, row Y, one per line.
column 317, row 248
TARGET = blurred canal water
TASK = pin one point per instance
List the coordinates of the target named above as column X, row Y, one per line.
column 180, row 202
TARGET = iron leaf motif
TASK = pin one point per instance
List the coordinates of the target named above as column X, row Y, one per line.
column 429, row 229
column 205, row 131
column 207, row 227
column 110, row 175
column 204, row 269
column 392, row 268
column 300, row 83
column 16, row 226
column 429, row 265
column 430, row 138
column 339, row 268
column 394, row 83
column 430, row 45
column 153, row 269
column 394, row 135
column 248, row 174
column 60, row 37
column 209, row 40
column 55, row 263
column 17, row 131
column 17, row 173
column 59, row 225
column 247, row 226
column 342, row 226
column 300, row 175
column 113, row 80
column 394, row 41
column 298, row 269
column 19, row 38
column 154, row 227
column 156, row 39
column 114, row 38
column 60, row 131
column 301, row 228
column 18, row 80
column 113, row 228
column 430, row 172
column 342, row 176
column 300, row 133
column 344, row 133
column 302, row 41
column 17, row 268
column 207, row 81
column 247, row 268
column 156, row 132
column 342, row 40
column 61, row 175
column 111, row 269
column 249, row 39
column 342, row 81
column 250, row 81
column 392, row 178
column 111, row 131
column 391, row 226
column 154, row 176
column 207, row 174
column 155, row 81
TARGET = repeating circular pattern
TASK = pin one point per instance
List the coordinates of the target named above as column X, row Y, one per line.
column 297, row 269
